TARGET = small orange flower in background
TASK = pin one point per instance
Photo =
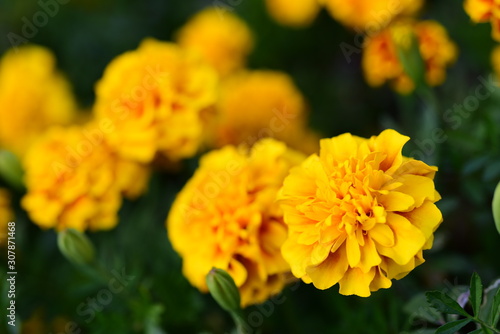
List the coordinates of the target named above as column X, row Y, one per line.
column 33, row 96
column 223, row 39
column 75, row 182
column 6, row 215
column 154, row 97
column 380, row 54
column 481, row 11
column 258, row 104
column 227, row 217
column 370, row 15
column 359, row 214
column 298, row 14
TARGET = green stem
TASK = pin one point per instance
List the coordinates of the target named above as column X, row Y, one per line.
column 486, row 328
column 241, row 325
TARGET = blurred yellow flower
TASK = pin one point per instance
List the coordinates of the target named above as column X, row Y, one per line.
column 258, row 104
column 481, row 11
column 6, row 215
column 33, row 96
column 221, row 37
column 74, row 180
column 359, row 214
column 299, row 13
column 380, row 55
column 154, row 97
column 370, row 15
column 227, row 217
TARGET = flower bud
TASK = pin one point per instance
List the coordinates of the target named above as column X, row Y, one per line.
column 75, row 246
column 496, row 207
column 222, row 287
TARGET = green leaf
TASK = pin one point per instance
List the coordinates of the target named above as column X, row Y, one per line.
column 418, row 308
column 495, row 309
column 444, row 303
column 496, row 207
column 477, row 331
column 476, row 293
column 452, row 327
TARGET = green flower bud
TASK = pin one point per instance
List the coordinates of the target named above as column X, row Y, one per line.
column 75, row 246
column 10, row 169
column 496, row 207
column 222, row 287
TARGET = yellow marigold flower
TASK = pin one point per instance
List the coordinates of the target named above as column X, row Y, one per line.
column 6, row 215
column 154, row 97
column 258, row 104
column 370, row 15
column 33, row 96
column 75, row 181
column 221, row 37
column 359, row 214
column 293, row 13
column 227, row 217
column 380, row 56
column 485, row 11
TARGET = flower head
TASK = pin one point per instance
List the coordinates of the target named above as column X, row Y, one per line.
column 481, row 11
column 380, row 55
column 293, row 13
column 370, row 15
column 76, row 182
column 227, row 217
column 258, row 104
column 33, row 96
column 221, row 37
column 359, row 214
column 154, row 97
column 6, row 215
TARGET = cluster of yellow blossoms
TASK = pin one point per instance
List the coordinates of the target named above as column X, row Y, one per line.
column 358, row 213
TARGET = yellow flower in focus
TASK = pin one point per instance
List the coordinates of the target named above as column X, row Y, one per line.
column 481, row 11
column 227, row 217
column 259, row 104
column 74, row 180
column 370, row 15
column 33, row 96
column 380, row 56
column 154, row 97
column 359, row 214
column 6, row 215
column 221, row 37
column 298, row 13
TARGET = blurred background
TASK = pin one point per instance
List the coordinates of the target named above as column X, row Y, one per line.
column 86, row 35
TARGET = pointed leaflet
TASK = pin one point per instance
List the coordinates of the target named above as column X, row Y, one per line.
column 452, row 327
column 444, row 303
column 476, row 293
